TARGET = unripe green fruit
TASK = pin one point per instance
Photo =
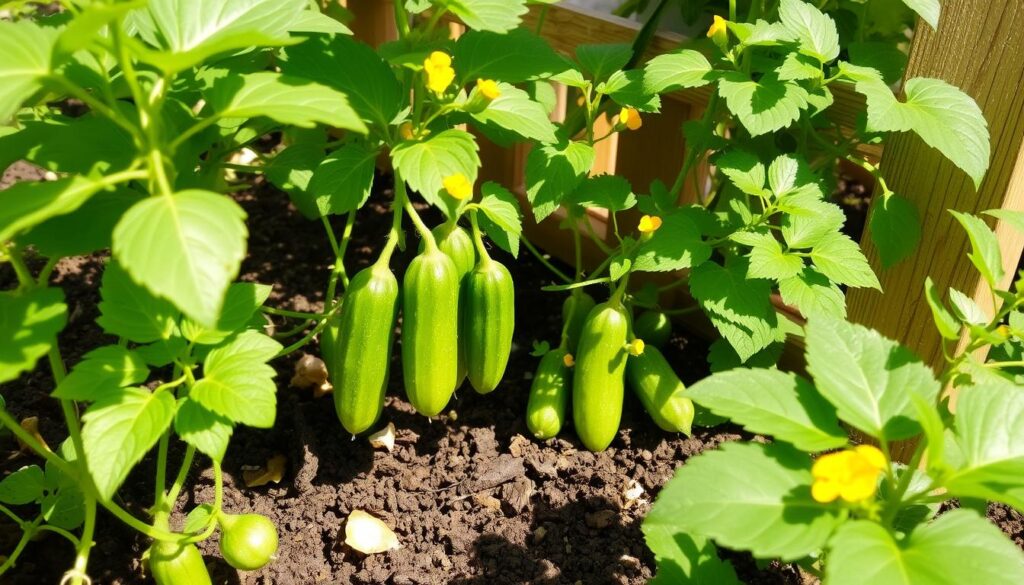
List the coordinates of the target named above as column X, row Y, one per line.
column 174, row 564
column 247, row 541
column 599, row 376
column 660, row 391
column 654, row 327
column 488, row 321
column 457, row 244
column 575, row 309
column 545, row 411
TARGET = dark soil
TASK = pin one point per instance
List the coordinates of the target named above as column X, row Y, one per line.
column 472, row 498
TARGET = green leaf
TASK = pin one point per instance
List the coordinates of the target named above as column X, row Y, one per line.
column 65, row 509
column 799, row 67
column 868, row 378
column 884, row 57
column 553, row 172
column 750, row 497
column 207, row 431
column 237, row 382
column 291, row 171
column 744, row 170
column 29, row 203
column 842, row 261
column 626, row 88
column 768, row 260
column 492, row 15
column 314, row 21
column 770, row 402
column 677, row 244
column 513, row 57
column 945, row 322
column 103, row 372
column 188, row 32
column 128, row 310
column 57, row 145
column 198, row 519
column 353, row 68
column 29, row 323
column 89, row 23
column 815, row 31
column 959, row 547
column 740, row 309
column 813, row 294
column 186, row 248
column 682, row 69
column 988, row 422
column 25, row 53
column 929, row 10
column 513, row 110
column 502, row 219
column 600, row 61
column 722, row 358
column 966, row 309
column 119, row 430
column 283, row 98
column 241, row 302
column 342, row 182
column 985, row 253
column 24, row 486
column 762, row 106
column 1011, row 216
column 610, row 192
column 85, row 230
column 895, row 228
column 684, row 559
column 426, row 163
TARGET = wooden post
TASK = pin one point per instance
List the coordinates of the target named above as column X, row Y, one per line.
column 978, row 48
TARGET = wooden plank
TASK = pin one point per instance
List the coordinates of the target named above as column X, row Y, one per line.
column 373, row 20
column 978, row 48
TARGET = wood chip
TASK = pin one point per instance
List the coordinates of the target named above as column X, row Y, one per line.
column 272, row 472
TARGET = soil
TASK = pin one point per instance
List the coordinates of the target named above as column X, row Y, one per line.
column 472, row 497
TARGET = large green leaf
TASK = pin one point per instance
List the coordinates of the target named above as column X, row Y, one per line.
column 23, row 486
column 237, row 383
column 683, row 69
column 285, row 99
column 677, row 244
column 553, row 172
column 739, row 308
column 684, row 559
column 186, row 248
column 25, row 53
column 291, row 171
column 985, row 253
column 29, row 203
column 57, row 145
column 813, row 294
column 492, row 15
column 989, row 419
column 769, row 260
column 610, row 192
column 426, row 163
column 341, row 182
column 774, row 403
column 29, row 323
column 128, row 310
column 513, row 110
column 119, row 430
column 959, row 547
column 355, row 69
column 600, row 61
column 102, row 373
column 762, row 106
column 207, row 431
column 815, row 31
column 513, row 57
column 895, row 228
column 241, row 302
column 809, row 220
column 929, row 10
column 868, row 378
column 85, row 230
column 501, row 216
column 749, row 497
column 841, row 259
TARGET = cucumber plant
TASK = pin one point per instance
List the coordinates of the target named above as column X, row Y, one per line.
column 841, row 511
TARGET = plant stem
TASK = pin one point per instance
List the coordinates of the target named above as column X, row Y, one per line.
column 293, row 314
column 27, row 533
column 84, row 545
column 338, row 270
column 12, row 425
column 56, row 530
column 478, row 239
column 10, row 514
column 428, row 237
column 547, row 264
column 309, row 336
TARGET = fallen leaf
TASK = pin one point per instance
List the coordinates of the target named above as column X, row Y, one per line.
column 369, row 535
column 272, row 472
column 31, row 426
column 384, row 438
column 311, row 372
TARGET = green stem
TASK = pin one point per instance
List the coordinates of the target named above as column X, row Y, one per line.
column 401, row 19
column 27, row 533
column 338, row 270
column 478, row 239
column 428, row 237
column 84, row 545
column 293, row 314
column 395, row 235
column 57, row 530
column 309, row 336
column 896, row 498
column 575, row 285
column 12, row 425
column 547, row 264
column 21, row 270
column 161, row 470
column 192, row 131
column 10, row 514
column 179, row 480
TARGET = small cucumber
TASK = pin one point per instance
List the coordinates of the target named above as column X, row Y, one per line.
column 599, row 379
column 654, row 327
column 430, row 337
column 660, row 391
column 174, row 564
column 488, row 321
column 575, row 309
column 359, row 356
column 545, row 411
column 457, row 244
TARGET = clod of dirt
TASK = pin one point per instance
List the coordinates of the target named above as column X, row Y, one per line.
column 384, row 438
column 273, row 471
column 311, row 372
column 494, row 473
column 600, row 519
column 368, row 535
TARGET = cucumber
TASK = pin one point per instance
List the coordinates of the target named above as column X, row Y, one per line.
column 488, row 321
column 545, row 411
column 599, row 380
column 430, row 337
column 654, row 327
column 575, row 309
column 457, row 244
column 174, row 564
column 660, row 391
column 359, row 355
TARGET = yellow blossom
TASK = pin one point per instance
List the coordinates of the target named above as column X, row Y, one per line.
column 649, row 224
column 489, row 88
column 458, row 186
column 440, row 74
column 718, row 28
column 630, row 118
column 851, row 474
column 405, row 131
column 568, row 360
column 636, row 347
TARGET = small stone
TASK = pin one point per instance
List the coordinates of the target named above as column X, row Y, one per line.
column 600, row 519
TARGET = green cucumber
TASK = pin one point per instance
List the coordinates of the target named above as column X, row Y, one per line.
column 575, row 309
column 488, row 321
column 599, row 377
column 654, row 327
column 545, row 411
column 660, row 391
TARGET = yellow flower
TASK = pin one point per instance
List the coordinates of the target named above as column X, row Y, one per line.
column 649, row 224
column 458, row 186
column 851, row 474
column 405, row 131
column 630, row 118
column 636, row 347
column 440, row 74
column 489, row 88
column 718, row 28
column 568, row 360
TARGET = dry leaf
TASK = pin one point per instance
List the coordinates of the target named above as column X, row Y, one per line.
column 31, row 426
column 311, row 372
column 272, row 472
column 384, row 438
column 369, row 535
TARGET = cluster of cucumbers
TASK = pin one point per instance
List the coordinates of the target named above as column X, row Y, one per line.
column 458, row 315
column 595, row 361
column 248, row 542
